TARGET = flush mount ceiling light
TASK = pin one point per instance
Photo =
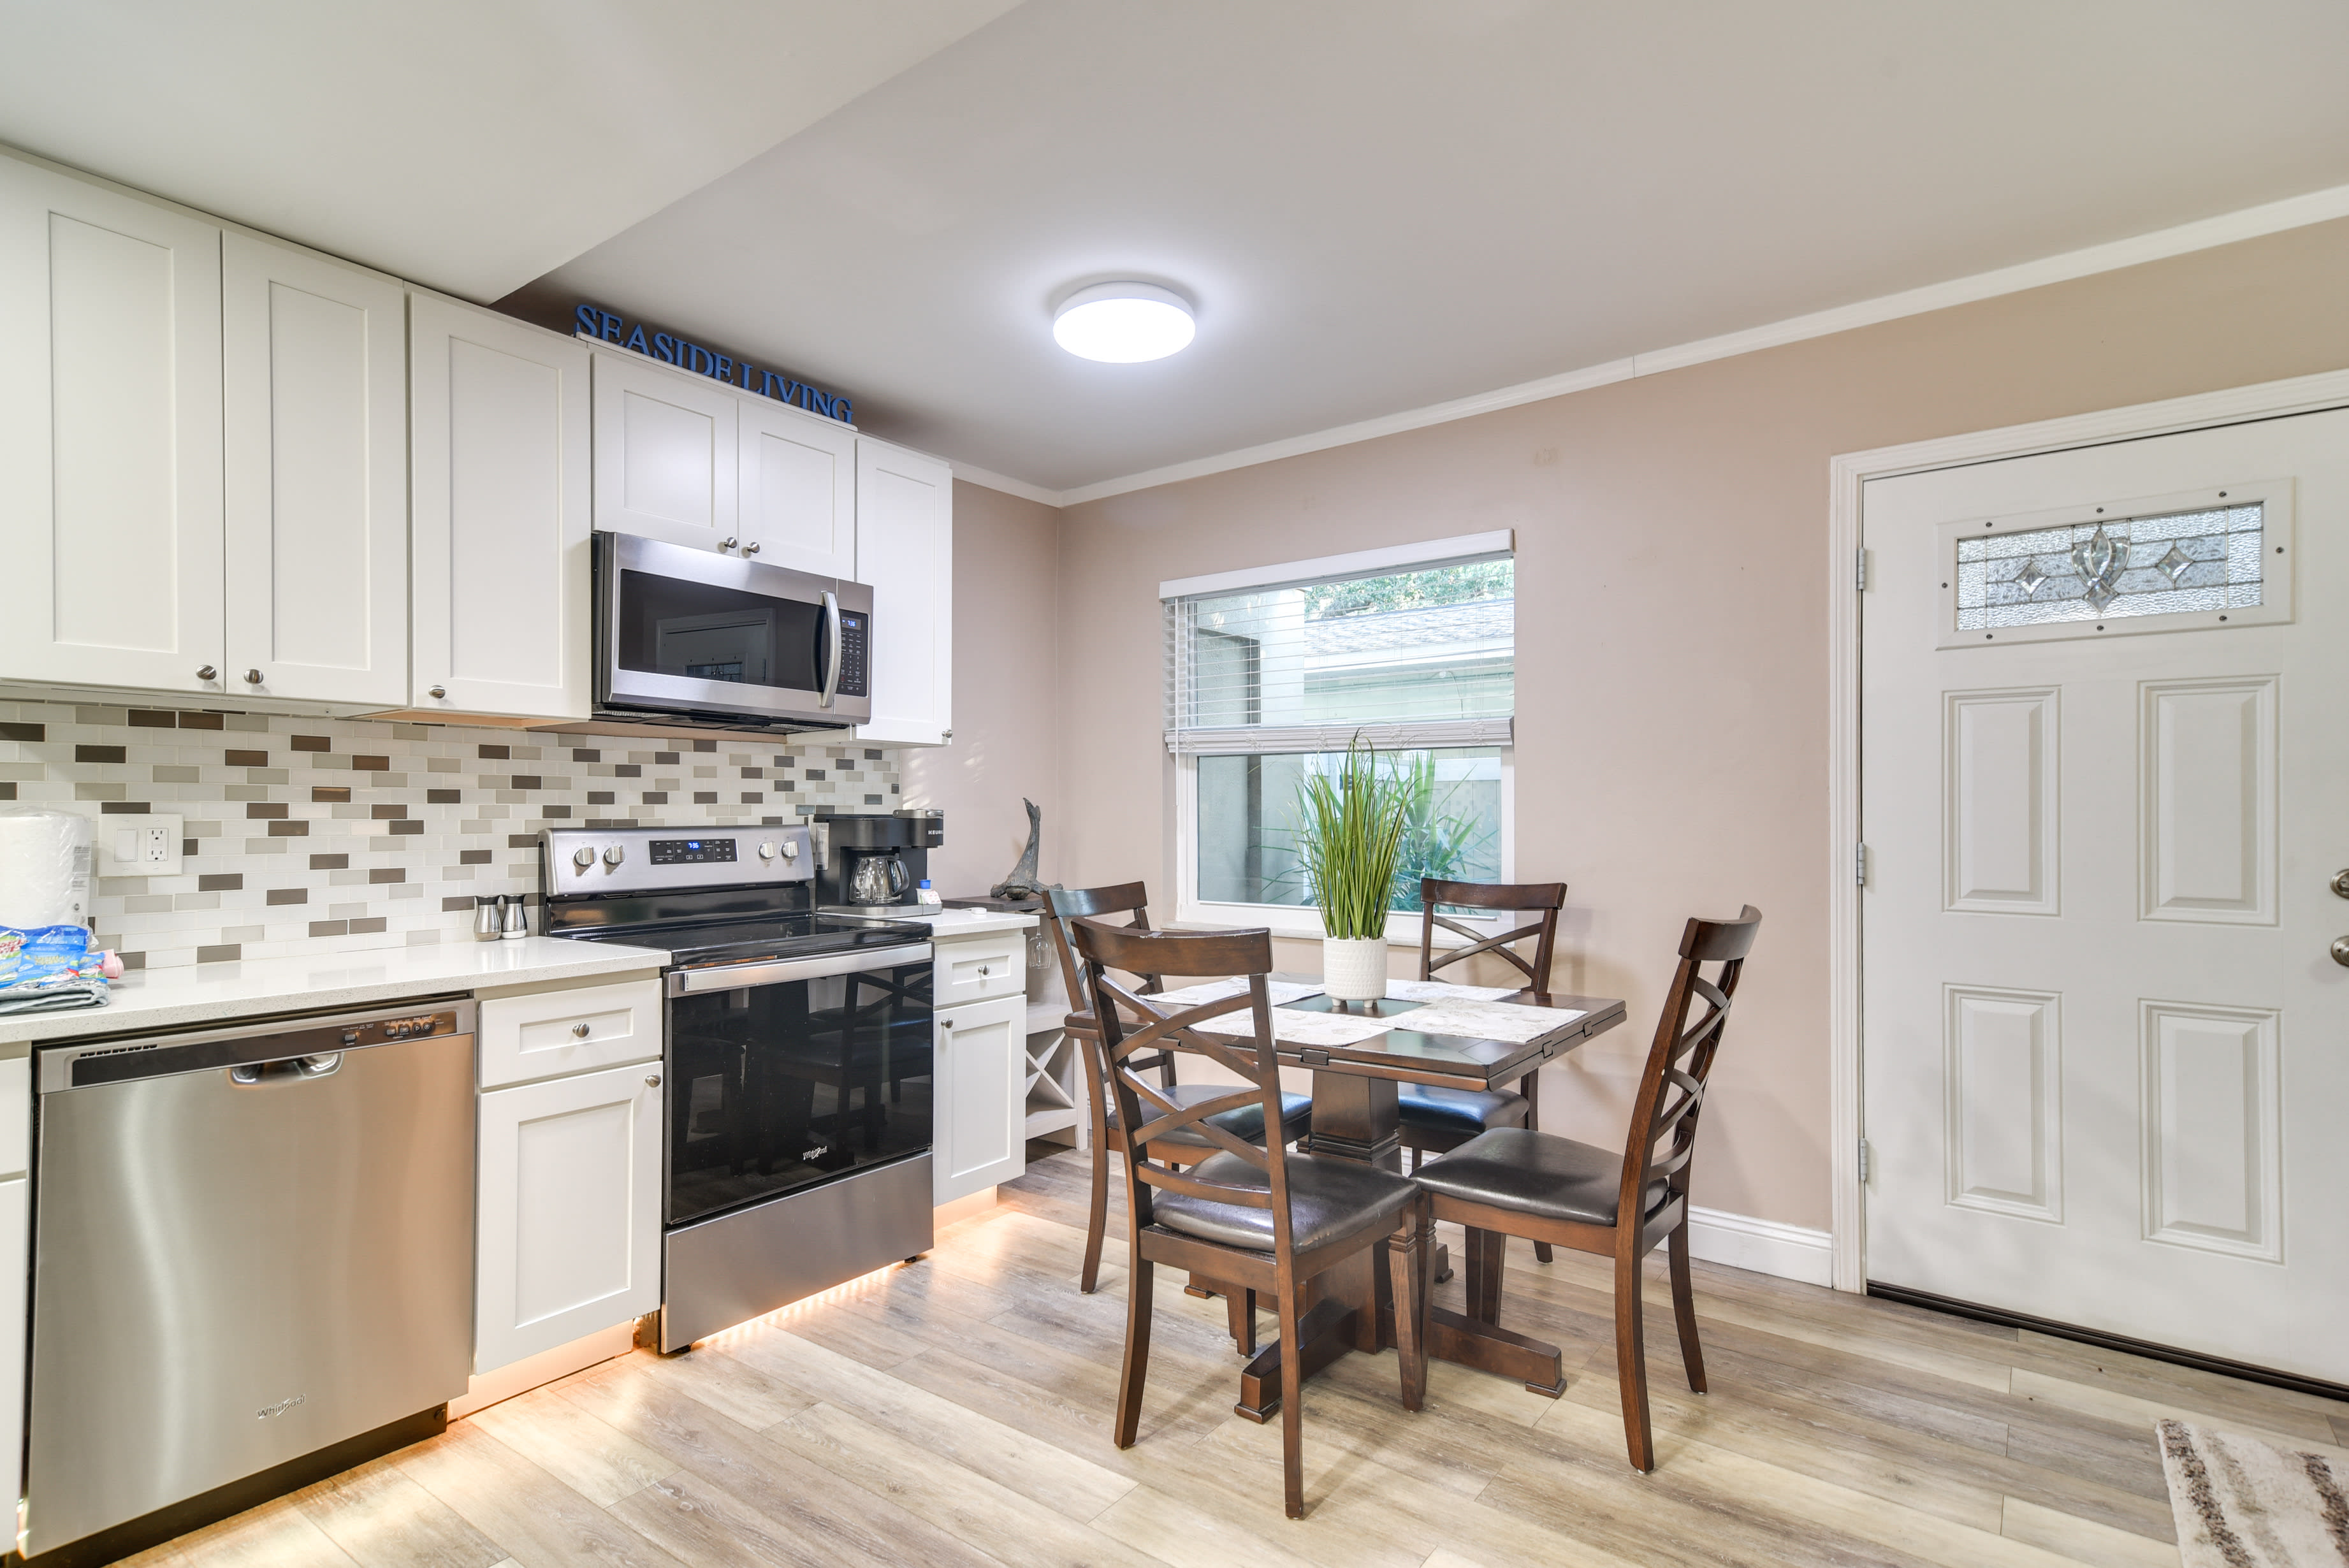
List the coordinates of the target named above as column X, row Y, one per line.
column 1123, row 323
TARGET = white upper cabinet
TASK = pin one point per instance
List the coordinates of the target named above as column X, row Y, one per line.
column 314, row 363
column 110, row 505
column 905, row 551
column 665, row 453
column 798, row 490
column 499, row 464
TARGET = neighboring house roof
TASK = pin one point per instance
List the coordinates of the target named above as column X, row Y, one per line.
column 1485, row 621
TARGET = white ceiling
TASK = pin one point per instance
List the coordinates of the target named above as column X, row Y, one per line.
column 1380, row 204
column 466, row 144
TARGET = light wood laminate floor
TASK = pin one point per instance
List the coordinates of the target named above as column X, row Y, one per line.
column 956, row 1412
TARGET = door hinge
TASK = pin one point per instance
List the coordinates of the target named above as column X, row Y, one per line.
column 1859, row 864
column 1859, row 571
column 1863, row 1161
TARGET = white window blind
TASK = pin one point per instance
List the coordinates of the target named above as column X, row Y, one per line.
column 1406, row 653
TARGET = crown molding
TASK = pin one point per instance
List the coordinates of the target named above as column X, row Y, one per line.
column 2202, row 235
column 971, row 474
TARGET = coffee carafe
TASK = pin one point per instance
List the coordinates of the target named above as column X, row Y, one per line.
column 876, row 876
column 873, row 860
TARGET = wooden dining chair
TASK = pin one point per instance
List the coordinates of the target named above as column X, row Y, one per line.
column 1437, row 1121
column 1062, row 905
column 1514, row 1182
column 1255, row 1217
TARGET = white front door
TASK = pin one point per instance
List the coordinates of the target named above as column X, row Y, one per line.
column 2105, row 732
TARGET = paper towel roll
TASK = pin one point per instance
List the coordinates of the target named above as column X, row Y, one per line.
column 44, row 867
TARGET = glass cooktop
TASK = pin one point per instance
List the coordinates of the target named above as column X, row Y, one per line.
column 746, row 940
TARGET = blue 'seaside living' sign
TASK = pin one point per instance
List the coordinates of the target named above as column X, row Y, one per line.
column 603, row 326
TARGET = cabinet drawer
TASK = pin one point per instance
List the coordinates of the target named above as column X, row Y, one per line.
column 981, row 968
column 556, row 1031
column 16, row 1118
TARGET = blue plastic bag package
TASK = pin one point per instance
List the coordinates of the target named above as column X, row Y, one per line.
column 45, row 955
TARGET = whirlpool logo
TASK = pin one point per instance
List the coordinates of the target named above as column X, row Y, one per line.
column 280, row 1408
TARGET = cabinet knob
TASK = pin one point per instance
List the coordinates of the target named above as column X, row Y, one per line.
column 253, row 677
column 945, row 1023
column 207, row 674
column 652, row 1080
column 440, row 691
column 727, row 543
column 580, row 1030
column 752, row 548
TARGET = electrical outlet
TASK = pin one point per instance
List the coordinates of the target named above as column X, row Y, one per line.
column 146, row 846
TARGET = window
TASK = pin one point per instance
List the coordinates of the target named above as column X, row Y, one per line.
column 1272, row 674
column 2208, row 558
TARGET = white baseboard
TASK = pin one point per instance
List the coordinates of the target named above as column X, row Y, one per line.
column 1766, row 1246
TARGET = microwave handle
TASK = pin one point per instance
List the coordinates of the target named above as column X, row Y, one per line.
column 832, row 642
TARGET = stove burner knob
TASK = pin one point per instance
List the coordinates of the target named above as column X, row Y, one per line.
column 583, row 857
column 767, row 851
column 614, row 854
column 791, row 849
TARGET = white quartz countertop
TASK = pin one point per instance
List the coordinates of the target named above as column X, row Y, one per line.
column 202, row 994
column 949, row 923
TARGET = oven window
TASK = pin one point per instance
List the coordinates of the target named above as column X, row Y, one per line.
column 699, row 630
column 774, row 1087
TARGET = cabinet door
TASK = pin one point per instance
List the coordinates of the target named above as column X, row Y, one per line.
column 980, row 1078
column 904, row 549
column 110, row 437
column 798, row 490
column 314, row 362
column 569, row 1233
column 498, row 458
column 665, row 443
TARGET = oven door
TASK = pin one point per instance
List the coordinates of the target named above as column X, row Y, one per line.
column 784, row 1075
column 689, row 631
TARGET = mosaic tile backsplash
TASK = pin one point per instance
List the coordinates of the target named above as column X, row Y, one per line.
column 305, row 835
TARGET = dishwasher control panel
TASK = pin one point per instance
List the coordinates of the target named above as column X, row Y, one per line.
column 311, row 1045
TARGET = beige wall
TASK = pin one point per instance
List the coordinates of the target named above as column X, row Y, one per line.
column 1672, row 583
column 1007, row 742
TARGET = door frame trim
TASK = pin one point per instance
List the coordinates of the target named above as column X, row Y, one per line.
column 1847, row 475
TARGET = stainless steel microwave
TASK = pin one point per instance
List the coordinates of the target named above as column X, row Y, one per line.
column 692, row 636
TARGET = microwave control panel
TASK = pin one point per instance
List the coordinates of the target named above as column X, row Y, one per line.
column 854, row 629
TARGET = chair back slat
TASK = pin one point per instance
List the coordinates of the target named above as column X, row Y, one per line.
column 1132, row 1025
column 1670, row 1099
column 1546, row 897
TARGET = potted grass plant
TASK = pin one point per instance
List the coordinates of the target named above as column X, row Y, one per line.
column 1349, row 833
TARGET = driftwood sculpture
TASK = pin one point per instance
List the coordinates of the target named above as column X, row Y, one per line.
column 1022, row 884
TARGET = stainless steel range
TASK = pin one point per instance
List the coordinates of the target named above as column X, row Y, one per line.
column 797, row 1147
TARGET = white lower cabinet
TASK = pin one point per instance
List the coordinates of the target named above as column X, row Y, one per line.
column 569, row 1235
column 980, row 1077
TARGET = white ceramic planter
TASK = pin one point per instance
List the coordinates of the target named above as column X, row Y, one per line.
column 1354, row 968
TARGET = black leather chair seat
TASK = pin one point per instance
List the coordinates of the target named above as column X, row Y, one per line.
column 1535, row 1173
column 1247, row 1123
column 1328, row 1199
column 1464, row 1111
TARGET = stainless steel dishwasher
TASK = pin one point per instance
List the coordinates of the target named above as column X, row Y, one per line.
column 253, row 1257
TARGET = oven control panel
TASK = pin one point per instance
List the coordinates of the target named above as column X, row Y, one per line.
column 659, row 860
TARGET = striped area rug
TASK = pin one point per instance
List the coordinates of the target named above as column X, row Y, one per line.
column 2246, row 1504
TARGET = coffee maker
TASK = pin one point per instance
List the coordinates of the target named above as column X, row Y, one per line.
column 876, row 861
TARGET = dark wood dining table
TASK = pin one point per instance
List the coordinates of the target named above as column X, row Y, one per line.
column 1355, row 1117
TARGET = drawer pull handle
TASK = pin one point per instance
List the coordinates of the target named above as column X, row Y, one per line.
column 580, row 1030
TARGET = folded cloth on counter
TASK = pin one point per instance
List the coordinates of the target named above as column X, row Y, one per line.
column 62, row 999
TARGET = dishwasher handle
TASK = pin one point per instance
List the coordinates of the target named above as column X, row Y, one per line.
column 286, row 1070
